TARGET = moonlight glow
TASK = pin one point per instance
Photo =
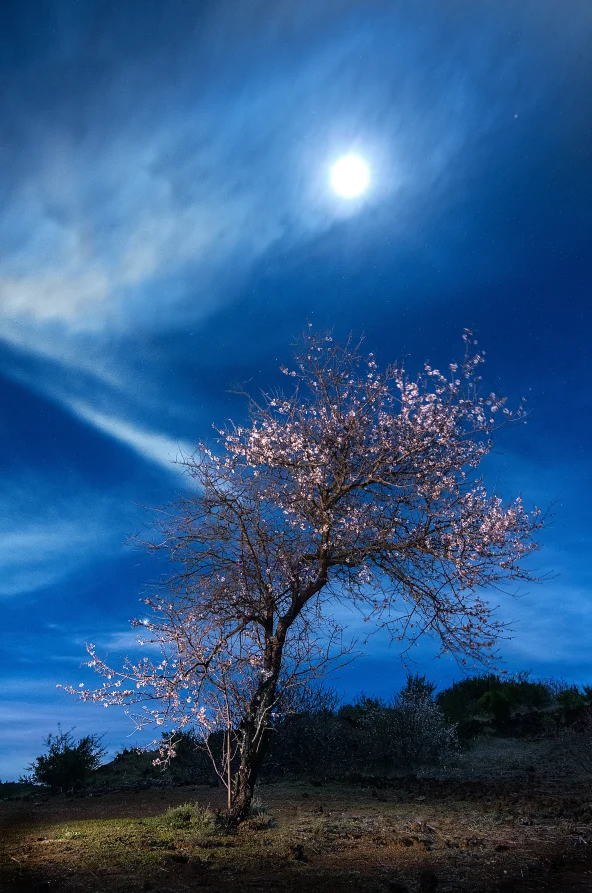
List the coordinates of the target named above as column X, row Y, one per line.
column 350, row 176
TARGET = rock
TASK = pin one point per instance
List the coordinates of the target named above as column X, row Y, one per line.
column 428, row 881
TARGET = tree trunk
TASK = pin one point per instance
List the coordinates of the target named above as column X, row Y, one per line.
column 254, row 734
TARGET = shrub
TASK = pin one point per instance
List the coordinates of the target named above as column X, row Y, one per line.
column 410, row 732
column 499, row 702
column 460, row 702
column 417, row 688
column 368, row 736
column 68, row 763
column 420, row 734
column 134, row 763
column 571, row 702
column 259, row 816
column 574, row 745
column 191, row 816
column 311, row 699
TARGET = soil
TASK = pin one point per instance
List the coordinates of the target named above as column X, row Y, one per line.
column 509, row 818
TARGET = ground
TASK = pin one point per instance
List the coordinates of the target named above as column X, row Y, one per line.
column 508, row 818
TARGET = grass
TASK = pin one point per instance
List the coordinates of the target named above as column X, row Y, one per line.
column 497, row 823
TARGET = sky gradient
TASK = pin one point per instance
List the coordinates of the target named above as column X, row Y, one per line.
column 167, row 228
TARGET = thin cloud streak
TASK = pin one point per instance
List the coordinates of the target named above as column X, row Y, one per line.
column 149, row 445
column 47, row 535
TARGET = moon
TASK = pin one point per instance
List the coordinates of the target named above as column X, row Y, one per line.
column 350, row 176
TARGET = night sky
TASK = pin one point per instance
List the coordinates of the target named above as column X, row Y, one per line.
column 168, row 226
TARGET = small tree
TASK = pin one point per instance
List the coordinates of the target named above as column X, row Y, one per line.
column 68, row 763
column 419, row 732
column 357, row 486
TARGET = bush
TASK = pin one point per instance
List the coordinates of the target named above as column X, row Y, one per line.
column 497, row 703
column 494, row 702
column 367, row 737
column 67, row 764
column 574, row 745
column 191, row 816
column 133, row 764
column 259, row 817
column 420, row 734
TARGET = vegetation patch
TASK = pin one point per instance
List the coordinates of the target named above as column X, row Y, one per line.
column 486, row 821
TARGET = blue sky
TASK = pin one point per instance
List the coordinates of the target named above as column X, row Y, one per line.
column 167, row 227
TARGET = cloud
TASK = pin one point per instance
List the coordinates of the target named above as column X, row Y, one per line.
column 158, row 213
column 125, row 642
column 144, row 213
column 51, row 530
column 150, row 445
column 72, row 389
column 36, row 557
column 551, row 625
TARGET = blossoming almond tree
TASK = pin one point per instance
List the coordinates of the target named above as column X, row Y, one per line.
column 356, row 486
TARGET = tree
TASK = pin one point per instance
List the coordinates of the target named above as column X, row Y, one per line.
column 358, row 487
column 68, row 763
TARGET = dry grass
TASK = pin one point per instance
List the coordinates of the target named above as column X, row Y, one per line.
column 506, row 818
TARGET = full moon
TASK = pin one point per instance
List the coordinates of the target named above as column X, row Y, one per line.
column 350, row 176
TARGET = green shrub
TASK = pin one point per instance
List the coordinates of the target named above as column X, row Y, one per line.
column 494, row 702
column 259, row 815
column 570, row 698
column 191, row 816
column 497, row 702
column 571, row 702
column 68, row 763
column 460, row 702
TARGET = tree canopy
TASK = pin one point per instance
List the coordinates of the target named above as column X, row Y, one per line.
column 354, row 486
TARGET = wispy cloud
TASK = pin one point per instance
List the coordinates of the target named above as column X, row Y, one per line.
column 37, row 557
column 165, row 213
column 49, row 532
column 150, row 445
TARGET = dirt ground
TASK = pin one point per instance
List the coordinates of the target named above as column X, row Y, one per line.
column 508, row 818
